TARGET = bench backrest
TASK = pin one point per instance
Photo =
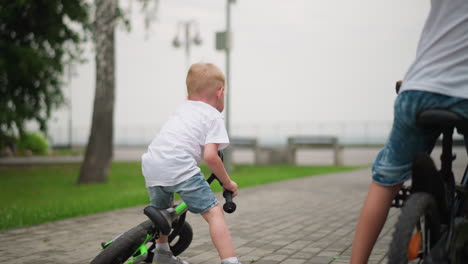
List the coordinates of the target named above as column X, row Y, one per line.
column 313, row 141
column 244, row 142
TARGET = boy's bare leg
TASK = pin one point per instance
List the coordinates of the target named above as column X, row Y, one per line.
column 373, row 216
column 162, row 239
column 219, row 232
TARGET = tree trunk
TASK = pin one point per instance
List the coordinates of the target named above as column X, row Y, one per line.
column 99, row 151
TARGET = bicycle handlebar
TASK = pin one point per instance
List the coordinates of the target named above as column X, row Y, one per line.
column 229, row 207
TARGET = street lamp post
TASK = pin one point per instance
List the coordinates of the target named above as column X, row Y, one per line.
column 187, row 26
column 71, row 73
column 224, row 42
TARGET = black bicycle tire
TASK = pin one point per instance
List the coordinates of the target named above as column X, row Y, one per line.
column 125, row 245
column 417, row 205
column 185, row 239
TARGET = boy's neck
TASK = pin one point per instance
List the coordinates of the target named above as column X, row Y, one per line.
column 210, row 101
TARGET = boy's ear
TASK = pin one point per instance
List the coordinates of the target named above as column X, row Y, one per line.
column 219, row 92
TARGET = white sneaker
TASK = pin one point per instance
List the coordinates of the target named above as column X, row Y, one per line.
column 162, row 256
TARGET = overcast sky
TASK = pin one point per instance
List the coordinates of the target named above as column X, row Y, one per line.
column 297, row 61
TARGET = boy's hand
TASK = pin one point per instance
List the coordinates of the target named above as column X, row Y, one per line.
column 232, row 187
column 217, row 167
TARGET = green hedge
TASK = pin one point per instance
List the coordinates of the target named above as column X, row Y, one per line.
column 35, row 142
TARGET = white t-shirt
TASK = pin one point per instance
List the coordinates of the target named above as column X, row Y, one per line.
column 441, row 64
column 173, row 156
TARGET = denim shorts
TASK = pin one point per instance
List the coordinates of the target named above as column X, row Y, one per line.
column 393, row 163
column 195, row 192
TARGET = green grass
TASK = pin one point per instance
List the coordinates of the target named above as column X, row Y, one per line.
column 35, row 194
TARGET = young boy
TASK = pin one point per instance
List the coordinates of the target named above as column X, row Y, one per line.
column 438, row 78
column 196, row 132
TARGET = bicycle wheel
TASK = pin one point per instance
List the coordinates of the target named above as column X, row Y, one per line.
column 182, row 240
column 178, row 243
column 125, row 245
column 417, row 230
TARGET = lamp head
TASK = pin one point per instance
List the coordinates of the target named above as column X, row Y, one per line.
column 176, row 42
column 197, row 40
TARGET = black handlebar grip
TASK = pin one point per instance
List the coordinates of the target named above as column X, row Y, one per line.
column 229, row 207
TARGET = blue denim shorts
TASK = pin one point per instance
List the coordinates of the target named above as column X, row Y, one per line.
column 195, row 192
column 393, row 163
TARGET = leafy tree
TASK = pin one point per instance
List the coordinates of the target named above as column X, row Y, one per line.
column 99, row 151
column 98, row 156
column 37, row 38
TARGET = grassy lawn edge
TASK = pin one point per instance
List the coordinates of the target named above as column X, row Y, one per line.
column 36, row 194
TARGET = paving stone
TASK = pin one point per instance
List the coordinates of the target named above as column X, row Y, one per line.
column 312, row 250
column 340, row 259
column 203, row 257
column 328, row 254
column 275, row 257
column 293, row 261
column 319, row 260
column 262, row 262
column 287, row 251
column 303, row 255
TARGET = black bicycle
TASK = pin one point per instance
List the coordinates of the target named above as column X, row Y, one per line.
column 432, row 227
column 137, row 244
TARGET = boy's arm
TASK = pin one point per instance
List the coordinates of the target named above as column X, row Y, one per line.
column 215, row 164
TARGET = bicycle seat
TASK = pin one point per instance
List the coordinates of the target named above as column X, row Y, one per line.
column 444, row 118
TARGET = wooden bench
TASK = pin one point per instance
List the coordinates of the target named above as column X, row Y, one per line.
column 297, row 142
column 246, row 143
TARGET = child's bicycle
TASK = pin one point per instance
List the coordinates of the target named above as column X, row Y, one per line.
column 137, row 244
column 432, row 227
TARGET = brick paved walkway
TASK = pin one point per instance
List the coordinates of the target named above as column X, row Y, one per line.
column 308, row 220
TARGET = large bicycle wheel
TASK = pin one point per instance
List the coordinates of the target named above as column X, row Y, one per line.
column 125, row 245
column 417, row 230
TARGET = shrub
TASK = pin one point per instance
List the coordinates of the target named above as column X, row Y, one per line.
column 7, row 145
column 7, row 141
column 34, row 142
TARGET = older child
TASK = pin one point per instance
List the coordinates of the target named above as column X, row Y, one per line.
column 438, row 78
column 196, row 132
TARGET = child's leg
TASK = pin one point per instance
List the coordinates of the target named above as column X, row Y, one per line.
column 393, row 164
column 219, row 232
column 161, row 199
column 162, row 239
column 373, row 216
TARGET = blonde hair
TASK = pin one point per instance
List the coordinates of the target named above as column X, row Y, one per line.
column 203, row 77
